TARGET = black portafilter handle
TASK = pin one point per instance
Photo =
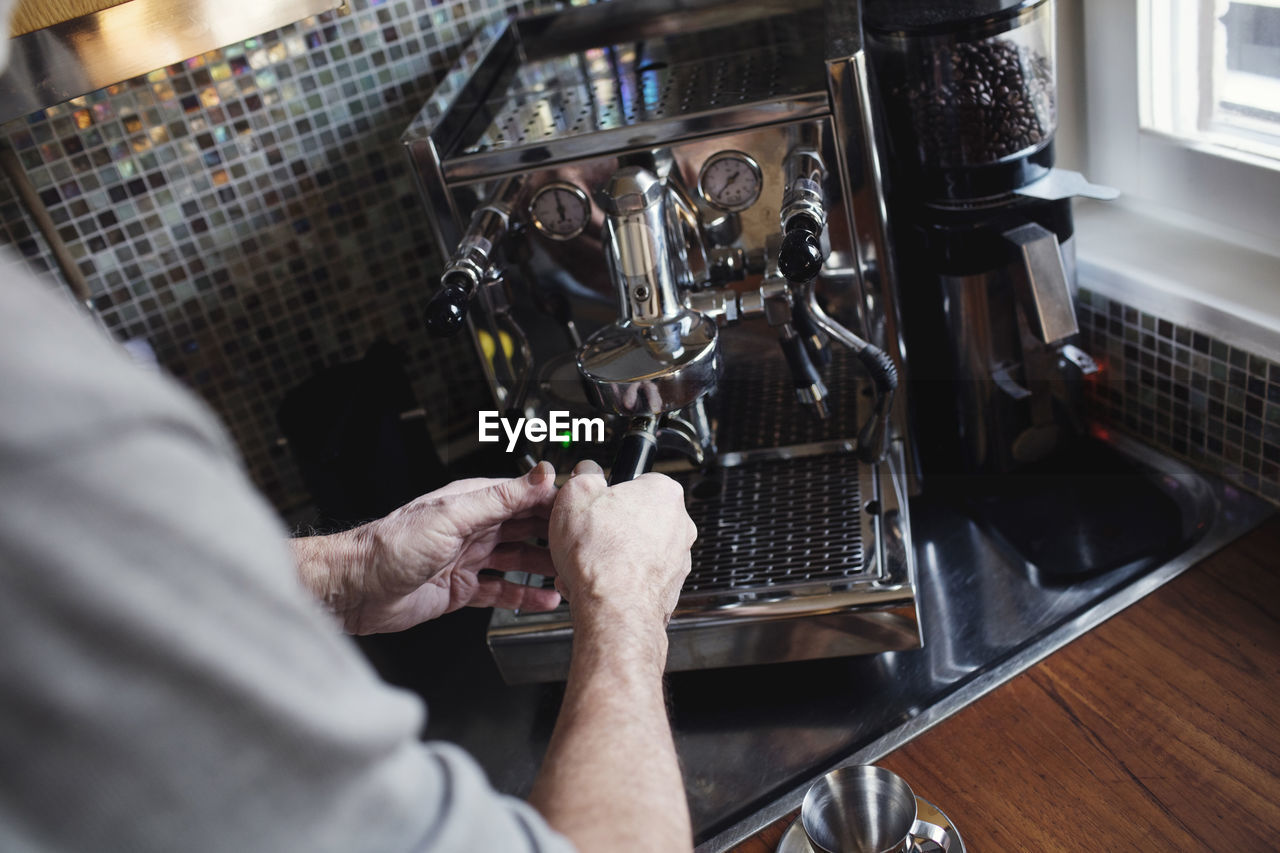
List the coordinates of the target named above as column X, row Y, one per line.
column 447, row 311
column 635, row 455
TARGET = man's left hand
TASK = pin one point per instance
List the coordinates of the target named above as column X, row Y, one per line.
column 425, row 559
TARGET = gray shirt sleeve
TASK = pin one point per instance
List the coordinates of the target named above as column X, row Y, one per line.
column 165, row 682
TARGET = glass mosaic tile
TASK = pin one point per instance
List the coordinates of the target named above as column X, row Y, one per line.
column 1188, row 393
column 250, row 212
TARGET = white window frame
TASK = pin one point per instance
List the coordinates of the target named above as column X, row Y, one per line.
column 1220, row 192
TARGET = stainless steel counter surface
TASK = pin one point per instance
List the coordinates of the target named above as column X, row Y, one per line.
column 751, row 739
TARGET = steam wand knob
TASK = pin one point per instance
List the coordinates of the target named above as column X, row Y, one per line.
column 447, row 310
column 472, row 262
column 800, row 257
column 802, row 215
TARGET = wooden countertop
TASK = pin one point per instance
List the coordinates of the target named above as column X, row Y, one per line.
column 1158, row 730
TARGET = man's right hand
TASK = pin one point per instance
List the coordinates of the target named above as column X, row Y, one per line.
column 621, row 550
column 611, row 779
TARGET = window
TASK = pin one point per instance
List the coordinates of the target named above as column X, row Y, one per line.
column 1182, row 113
column 1210, row 73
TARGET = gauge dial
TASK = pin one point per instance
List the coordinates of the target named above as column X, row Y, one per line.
column 560, row 211
column 730, row 181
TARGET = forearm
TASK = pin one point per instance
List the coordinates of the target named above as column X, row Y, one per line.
column 329, row 566
column 610, row 779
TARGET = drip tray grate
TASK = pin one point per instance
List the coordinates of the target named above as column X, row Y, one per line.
column 772, row 524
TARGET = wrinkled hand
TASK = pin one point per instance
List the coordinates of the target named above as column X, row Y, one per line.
column 425, row 559
column 621, row 550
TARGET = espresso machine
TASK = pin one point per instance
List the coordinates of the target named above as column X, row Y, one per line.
column 982, row 221
column 668, row 214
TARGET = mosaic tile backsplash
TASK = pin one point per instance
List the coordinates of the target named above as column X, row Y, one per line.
column 1185, row 392
column 251, row 214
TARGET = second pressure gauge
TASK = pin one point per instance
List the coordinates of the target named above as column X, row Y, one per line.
column 560, row 211
column 730, row 181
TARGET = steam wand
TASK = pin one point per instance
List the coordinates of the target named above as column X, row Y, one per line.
column 873, row 437
column 803, row 217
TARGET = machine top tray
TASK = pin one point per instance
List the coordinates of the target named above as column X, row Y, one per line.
column 511, row 102
column 652, row 80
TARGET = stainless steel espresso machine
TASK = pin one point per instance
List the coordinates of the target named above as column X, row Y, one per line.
column 982, row 223
column 668, row 213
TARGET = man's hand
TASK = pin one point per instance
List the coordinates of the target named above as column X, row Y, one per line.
column 610, row 779
column 621, row 548
column 424, row 559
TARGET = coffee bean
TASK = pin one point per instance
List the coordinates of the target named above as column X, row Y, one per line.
column 974, row 103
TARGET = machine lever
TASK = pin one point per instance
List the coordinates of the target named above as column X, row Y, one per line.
column 800, row 257
column 1040, row 280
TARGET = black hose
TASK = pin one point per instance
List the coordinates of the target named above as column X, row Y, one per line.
column 873, row 438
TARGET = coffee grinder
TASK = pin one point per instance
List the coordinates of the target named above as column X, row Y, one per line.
column 983, row 224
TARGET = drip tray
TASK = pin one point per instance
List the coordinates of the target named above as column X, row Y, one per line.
column 788, row 566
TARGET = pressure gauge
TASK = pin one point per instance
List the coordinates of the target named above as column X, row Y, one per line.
column 730, row 181
column 560, row 211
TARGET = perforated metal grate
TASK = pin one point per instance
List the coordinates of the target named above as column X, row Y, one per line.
column 778, row 523
column 756, row 405
column 625, row 85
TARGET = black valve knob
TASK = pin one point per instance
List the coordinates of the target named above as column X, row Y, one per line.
column 447, row 310
column 800, row 257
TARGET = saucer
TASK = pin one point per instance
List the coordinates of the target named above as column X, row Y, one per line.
column 793, row 840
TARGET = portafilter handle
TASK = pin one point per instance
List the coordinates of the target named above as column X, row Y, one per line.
column 636, row 453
